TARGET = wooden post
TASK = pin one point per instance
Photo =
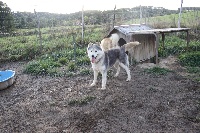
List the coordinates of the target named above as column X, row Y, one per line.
column 74, row 48
column 163, row 41
column 188, row 40
column 82, row 25
column 114, row 18
column 156, row 46
column 179, row 19
column 140, row 14
column 132, row 16
column 40, row 37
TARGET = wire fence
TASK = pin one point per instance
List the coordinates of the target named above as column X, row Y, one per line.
column 32, row 23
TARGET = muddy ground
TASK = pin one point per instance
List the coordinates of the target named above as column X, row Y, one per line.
column 148, row 103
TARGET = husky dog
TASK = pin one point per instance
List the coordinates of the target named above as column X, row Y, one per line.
column 102, row 60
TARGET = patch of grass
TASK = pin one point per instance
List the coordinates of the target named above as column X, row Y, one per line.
column 80, row 102
column 157, row 71
column 42, row 67
column 175, row 45
column 14, row 57
column 193, row 69
column 85, row 71
column 83, row 61
column 49, row 64
column 191, row 59
column 71, row 66
column 62, row 60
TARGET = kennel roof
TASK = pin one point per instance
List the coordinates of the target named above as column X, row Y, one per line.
column 142, row 28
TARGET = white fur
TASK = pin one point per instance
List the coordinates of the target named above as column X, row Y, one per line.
column 109, row 43
column 115, row 38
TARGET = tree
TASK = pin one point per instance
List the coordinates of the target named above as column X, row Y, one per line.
column 6, row 18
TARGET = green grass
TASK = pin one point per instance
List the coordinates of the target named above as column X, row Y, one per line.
column 191, row 59
column 59, row 58
column 193, row 70
column 176, row 44
column 188, row 19
column 85, row 71
column 50, row 64
column 42, row 67
column 80, row 102
column 28, row 47
column 157, row 71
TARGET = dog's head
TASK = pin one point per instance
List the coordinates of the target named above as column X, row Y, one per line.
column 94, row 52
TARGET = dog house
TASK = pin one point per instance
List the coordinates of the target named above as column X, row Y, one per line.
column 148, row 38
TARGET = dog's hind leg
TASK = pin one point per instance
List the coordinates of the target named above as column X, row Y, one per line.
column 116, row 65
column 95, row 78
column 118, row 70
column 127, row 71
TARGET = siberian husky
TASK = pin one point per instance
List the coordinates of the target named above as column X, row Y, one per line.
column 102, row 60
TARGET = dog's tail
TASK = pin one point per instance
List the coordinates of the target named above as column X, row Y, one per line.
column 131, row 45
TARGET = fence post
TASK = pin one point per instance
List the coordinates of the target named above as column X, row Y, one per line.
column 140, row 14
column 82, row 25
column 114, row 18
column 179, row 19
column 40, row 37
column 74, row 43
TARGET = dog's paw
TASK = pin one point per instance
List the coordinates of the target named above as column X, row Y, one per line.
column 102, row 88
column 116, row 75
column 128, row 79
column 93, row 84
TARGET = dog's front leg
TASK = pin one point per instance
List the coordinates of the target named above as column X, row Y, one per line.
column 95, row 78
column 104, row 79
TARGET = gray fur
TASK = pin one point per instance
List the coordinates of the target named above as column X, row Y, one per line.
column 94, row 46
column 113, row 55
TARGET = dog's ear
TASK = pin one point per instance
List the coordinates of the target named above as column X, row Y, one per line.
column 98, row 43
column 90, row 44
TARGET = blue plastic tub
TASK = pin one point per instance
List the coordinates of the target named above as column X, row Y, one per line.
column 6, row 78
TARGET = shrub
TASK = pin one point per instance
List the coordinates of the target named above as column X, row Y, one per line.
column 191, row 59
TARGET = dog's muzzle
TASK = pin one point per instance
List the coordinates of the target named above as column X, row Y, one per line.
column 93, row 59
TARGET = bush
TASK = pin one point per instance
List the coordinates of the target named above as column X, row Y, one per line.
column 191, row 59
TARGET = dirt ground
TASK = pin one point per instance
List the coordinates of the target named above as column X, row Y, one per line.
column 148, row 103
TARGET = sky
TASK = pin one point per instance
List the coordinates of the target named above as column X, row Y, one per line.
column 71, row 6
